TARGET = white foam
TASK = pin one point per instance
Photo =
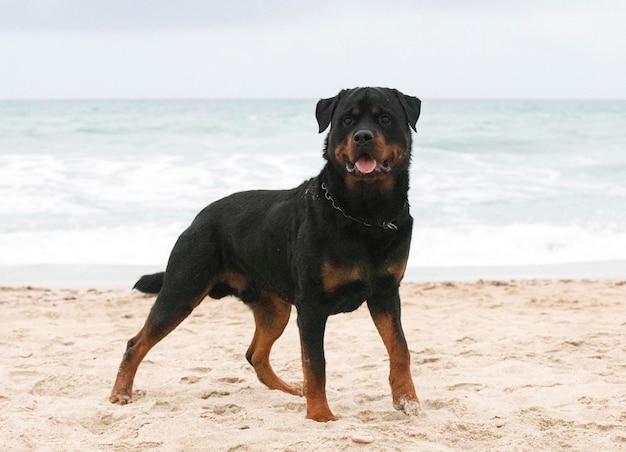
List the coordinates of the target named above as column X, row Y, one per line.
column 122, row 245
column 113, row 183
column 515, row 244
column 463, row 245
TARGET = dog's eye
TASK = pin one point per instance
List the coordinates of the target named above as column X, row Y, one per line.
column 348, row 121
column 385, row 120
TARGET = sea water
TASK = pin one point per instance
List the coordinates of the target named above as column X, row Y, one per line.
column 493, row 182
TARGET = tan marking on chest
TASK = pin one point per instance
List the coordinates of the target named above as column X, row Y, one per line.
column 397, row 269
column 334, row 276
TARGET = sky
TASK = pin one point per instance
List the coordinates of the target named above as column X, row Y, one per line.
column 310, row 49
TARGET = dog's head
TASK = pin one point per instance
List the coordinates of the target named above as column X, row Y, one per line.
column 369, row 138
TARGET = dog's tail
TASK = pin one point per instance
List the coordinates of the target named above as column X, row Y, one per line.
column 150, row 283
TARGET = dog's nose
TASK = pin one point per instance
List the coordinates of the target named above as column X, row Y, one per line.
column 363, row 137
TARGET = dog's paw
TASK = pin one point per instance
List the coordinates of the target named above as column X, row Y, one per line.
column 120, row 399
column 297, row 389
column 409, row 407
column 323, row 416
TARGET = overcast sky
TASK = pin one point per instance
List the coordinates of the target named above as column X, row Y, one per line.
column 311, row 49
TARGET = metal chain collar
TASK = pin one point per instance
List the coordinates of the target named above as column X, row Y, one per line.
column 387, row 225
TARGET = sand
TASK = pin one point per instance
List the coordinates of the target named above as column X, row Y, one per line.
column 517, row 365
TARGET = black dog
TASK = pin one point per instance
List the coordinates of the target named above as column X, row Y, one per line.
column 327, row 246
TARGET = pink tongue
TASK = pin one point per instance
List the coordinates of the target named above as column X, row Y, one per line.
column 365, row 164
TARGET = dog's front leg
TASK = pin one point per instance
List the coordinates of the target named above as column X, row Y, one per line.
column 312, row 325
column 384, row 307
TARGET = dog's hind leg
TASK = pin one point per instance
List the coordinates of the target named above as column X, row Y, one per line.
column 168, row 311
column 271, row 315
column 189, row 276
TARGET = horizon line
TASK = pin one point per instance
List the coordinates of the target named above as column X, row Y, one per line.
column 294, row 98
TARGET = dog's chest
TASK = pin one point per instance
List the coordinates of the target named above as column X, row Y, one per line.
column 347, row 286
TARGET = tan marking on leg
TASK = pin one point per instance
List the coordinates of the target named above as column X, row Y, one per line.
column 317, row 408
column 136, row 350
column 138, row 347
column 271, row 315
column 402, row 388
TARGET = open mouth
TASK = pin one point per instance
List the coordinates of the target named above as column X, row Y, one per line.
column 367, row 165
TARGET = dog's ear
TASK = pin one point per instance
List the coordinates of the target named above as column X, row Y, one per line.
column 411, row 106
column 325, row 109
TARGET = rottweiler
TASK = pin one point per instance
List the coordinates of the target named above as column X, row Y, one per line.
column 327, row 246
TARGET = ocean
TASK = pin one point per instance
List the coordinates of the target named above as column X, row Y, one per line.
column 494, row 183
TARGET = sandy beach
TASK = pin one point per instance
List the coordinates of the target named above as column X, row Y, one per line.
column 500, row 365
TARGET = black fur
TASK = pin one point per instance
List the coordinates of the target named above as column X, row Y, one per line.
column 337, row 240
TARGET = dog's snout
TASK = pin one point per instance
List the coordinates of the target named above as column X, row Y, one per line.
column 363, row 137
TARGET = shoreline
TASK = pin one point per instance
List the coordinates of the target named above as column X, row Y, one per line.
column 120, row 276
